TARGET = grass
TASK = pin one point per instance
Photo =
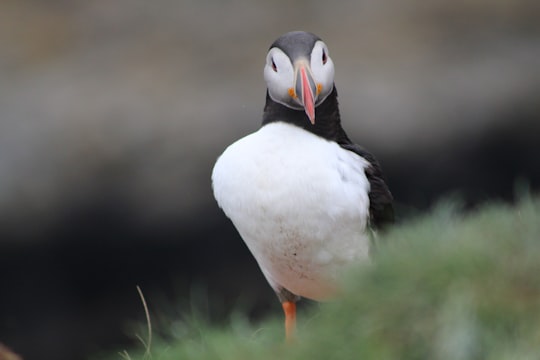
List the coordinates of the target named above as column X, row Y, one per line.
column 445, row 286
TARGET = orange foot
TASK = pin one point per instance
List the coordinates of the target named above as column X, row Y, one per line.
column 289, row 308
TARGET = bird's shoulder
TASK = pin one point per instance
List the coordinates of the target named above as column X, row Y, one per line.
column 381, row 207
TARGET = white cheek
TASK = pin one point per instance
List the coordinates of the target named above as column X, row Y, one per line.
column 328, row 74
column 280, row 81
column 324, row 75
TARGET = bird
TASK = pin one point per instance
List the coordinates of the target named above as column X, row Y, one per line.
column 305, row 199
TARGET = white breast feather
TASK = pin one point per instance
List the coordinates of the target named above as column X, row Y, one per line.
column 299, row 202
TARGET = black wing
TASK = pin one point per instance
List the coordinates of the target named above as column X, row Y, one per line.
column 381, row 210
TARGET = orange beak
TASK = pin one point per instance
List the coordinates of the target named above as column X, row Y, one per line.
column 305, row 89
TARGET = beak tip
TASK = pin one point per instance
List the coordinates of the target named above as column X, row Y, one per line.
column 309, row 108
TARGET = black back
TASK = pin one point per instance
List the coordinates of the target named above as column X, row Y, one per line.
column 328, row 126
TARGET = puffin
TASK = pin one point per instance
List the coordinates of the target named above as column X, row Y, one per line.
column 305, row 199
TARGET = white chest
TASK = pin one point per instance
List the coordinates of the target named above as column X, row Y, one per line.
column 299, row 202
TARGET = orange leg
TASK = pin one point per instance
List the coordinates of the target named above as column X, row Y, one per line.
column 289, row 308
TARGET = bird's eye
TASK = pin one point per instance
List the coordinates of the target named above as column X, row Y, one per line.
column 324, row 57
column 274, row 67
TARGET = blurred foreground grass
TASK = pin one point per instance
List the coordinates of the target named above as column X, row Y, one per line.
column 446, row 286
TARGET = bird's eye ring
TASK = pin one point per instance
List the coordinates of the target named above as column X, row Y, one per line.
column 324, row 57
column 274, row 67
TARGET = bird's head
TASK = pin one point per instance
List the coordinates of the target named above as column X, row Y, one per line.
column 299, row 73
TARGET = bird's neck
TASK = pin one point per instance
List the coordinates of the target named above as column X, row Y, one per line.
column 327, row 118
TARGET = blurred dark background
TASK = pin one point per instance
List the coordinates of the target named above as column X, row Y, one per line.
column 112, row 114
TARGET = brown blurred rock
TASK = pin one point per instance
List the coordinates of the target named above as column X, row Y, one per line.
column 138, row 101
column 7, row 354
